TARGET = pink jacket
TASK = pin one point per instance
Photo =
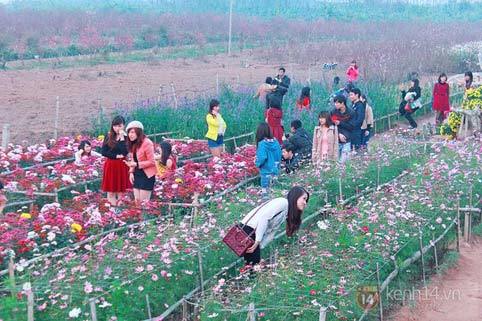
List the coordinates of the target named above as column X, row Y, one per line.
column 352, row 74
column 145, row 157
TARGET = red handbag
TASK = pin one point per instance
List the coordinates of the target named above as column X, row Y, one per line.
column 237, row 239
column 408, row 108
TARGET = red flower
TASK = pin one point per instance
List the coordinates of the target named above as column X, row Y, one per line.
column 312, row 292
column 365, row 229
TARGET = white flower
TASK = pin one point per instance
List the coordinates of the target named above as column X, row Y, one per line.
column 439, row 220
column 27, row 286
column 323, row 225
column 50, row 236
column 74, row 313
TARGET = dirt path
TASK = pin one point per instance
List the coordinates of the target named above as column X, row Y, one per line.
column 453, row 296
column 28, row 97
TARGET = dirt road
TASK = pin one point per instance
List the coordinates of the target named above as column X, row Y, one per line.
column 455, row 295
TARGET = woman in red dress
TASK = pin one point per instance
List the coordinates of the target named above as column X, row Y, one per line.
column 274, row 117
column 115, row 180
column 441, row 103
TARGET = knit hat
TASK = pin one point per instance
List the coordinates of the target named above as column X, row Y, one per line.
column 134, row 124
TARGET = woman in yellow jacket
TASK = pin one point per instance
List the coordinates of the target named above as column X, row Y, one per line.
column 216, row 129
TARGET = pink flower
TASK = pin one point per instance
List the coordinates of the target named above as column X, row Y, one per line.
column 88, row 287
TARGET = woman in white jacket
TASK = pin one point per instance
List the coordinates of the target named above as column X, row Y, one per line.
column 262, row 222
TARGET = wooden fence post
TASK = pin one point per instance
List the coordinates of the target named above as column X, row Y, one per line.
column 56, row 123
column 435, row 251
column 340, row 189
column 458, row 223
column 251, row 312
column 322, row 314
column 380, row 304
column 389, row 125
column 421, row 256
column 184, row 310
column 11, row 274
column 174, row 96
column 159, row 93
column 149, row 313
column 5, row 135
column 201, row 274
column 467, row 225
column 30, row 303
column 93, row 310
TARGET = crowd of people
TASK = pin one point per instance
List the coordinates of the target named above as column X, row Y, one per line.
column 132, row 162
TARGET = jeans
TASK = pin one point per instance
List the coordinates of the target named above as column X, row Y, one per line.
column 343, row 151
column 266, row 180
column 366, row 138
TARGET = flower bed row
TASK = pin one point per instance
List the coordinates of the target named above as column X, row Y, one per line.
column 335, row 256
column 63, row 173
column 26, row 233
column 17, row 156
column 162, row 259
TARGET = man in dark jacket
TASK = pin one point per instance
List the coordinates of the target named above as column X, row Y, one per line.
column 359, row 107
column 291, row 160
column 301, row 140
column 282, row 83
column 342, row 116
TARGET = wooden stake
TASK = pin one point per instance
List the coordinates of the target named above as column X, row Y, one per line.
column 421, row 256
column 149, row 314
column 159, row 93
column 56, row 124
column 11, row 274
column 5, row 135
column 340, row 189
column 201, row 275
column 380, row 303
column 322, row 314
column 30, row 303
column 93, row 310
column 467, row 226
column 458, row 224
column 184, row 310
column 174, row 96
column 435, row 251
column 389, row 125
column 251, row 312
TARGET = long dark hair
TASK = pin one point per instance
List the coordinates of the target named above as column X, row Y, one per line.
column 416, row 83
column 293, row 220
column 305, row 92
column 213, row 103
column 82, row 146
column 468, row 83
column 263, row 132
column 166, row 149
column 441, row 76
column 325, row 115
column 112, row 136
column 134, row 146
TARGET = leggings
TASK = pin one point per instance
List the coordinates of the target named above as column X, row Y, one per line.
column 255, row 257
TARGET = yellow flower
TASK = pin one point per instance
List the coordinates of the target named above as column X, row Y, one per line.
column 76, row 228
column 26, row 215
column 79, row 137
column 179, row 180
column 100, row 138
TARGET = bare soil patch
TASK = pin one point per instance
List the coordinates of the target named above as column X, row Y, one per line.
column 455, row 295
column 29, row 96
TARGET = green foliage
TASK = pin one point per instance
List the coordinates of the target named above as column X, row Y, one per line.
column 292, row 9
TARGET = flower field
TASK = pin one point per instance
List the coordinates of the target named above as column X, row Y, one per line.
column 333, row 257
column 162, row 257
column 26, row 233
